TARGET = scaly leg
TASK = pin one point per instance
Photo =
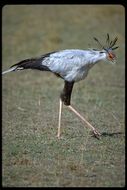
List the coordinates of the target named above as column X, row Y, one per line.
column 95, row 132
column 59, row 121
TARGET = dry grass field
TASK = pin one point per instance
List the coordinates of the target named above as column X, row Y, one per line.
column 32, row 156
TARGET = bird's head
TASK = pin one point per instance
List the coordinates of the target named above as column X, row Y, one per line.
column 108, row 49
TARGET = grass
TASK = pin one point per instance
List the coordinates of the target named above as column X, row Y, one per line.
column 32, row 156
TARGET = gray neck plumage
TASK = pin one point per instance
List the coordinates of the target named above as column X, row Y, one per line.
column 96, row 56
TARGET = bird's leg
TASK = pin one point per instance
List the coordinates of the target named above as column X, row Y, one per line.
column 95, row 132
column 59, row 121
column 64, row 98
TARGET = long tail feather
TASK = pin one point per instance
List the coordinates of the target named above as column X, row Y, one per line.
column 33, row 63
column 25, row 64
column 9, row 70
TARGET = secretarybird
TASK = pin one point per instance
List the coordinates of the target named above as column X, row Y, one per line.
column 72, row 65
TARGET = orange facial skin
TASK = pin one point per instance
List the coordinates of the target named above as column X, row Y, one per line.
column 111, row 56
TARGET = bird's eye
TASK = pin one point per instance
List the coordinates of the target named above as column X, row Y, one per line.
column 101, row 52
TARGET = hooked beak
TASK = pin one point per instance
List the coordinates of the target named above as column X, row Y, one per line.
column 113, row 61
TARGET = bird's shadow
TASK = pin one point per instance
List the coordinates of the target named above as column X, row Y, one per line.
column 107, row 134
column 114, row 134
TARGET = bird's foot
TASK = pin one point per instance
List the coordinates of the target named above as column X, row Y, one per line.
column 58, row 136
column 96, row 134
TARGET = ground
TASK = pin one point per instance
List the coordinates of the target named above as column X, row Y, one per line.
column 32, row 156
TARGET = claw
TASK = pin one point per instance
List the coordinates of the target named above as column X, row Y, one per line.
column 58, row 136
column 96, row 134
